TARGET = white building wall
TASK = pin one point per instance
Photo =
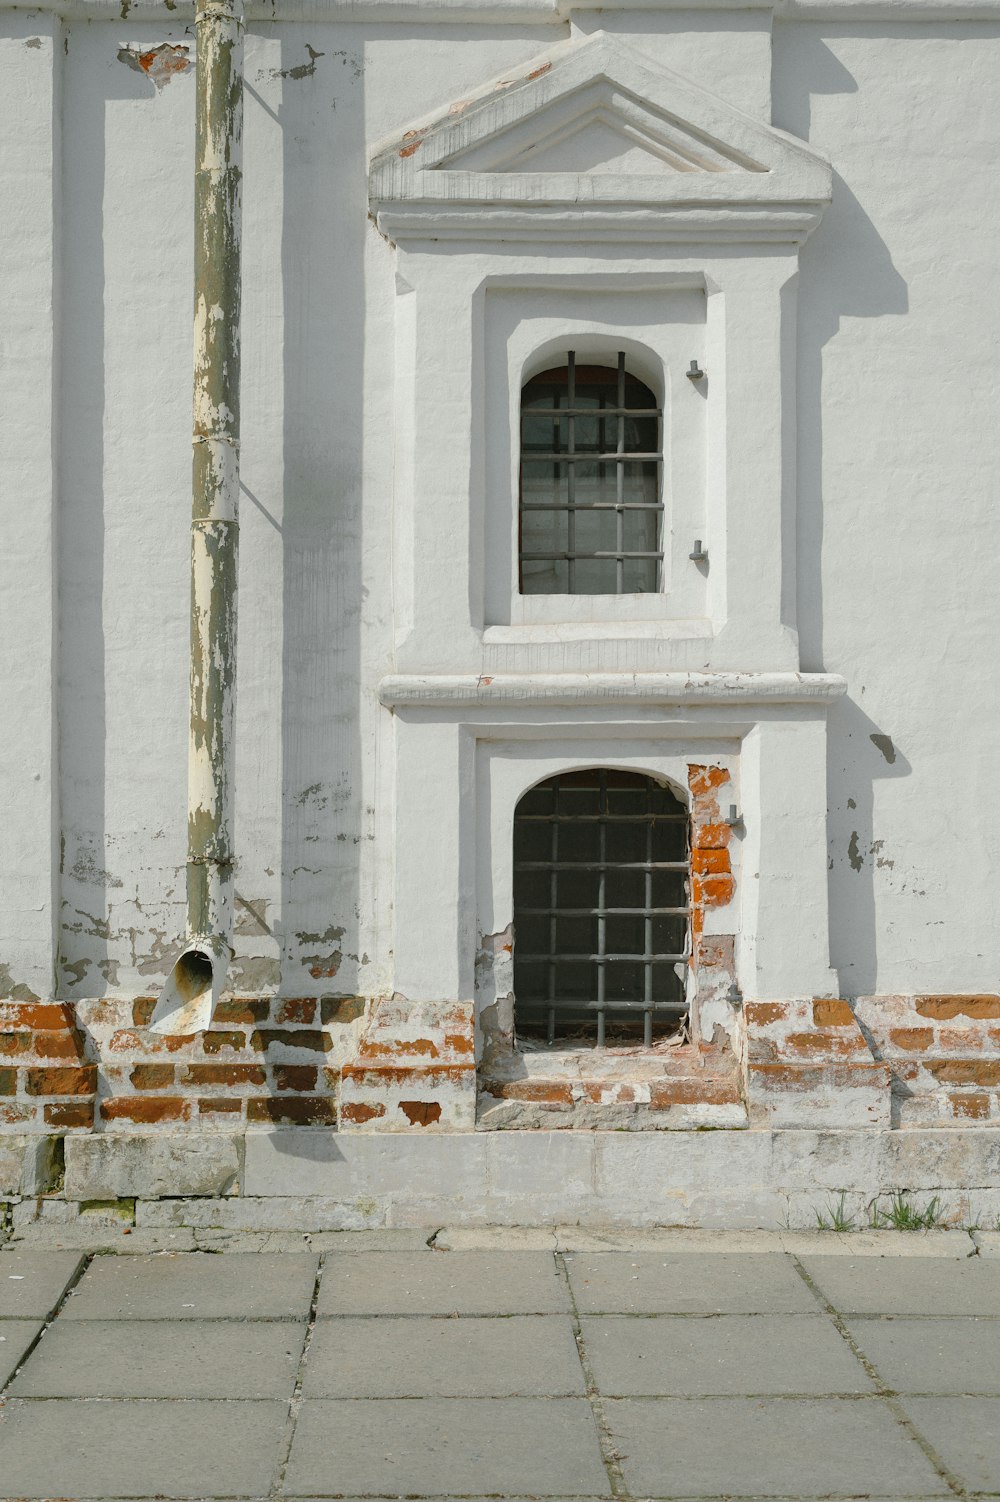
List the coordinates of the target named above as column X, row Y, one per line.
column 896, row 520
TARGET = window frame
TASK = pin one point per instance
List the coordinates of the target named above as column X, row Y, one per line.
column 617, row 457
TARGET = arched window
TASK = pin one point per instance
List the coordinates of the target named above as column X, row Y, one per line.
column 591, row 508
column 601, row 932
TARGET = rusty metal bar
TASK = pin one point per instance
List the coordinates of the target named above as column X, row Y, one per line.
column 197, row 977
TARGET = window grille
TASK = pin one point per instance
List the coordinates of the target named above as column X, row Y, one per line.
column 601, row 925
column 591, row 508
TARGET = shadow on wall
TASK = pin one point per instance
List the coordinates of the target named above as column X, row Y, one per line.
column 846, row 271
column 324, row 819
column 860, row 753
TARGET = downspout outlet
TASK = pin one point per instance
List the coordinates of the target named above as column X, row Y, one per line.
column 193, row 987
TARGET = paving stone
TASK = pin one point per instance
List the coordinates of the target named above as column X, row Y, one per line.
column 965, row 1433
column 195, row 1285
column 16, row 1336
column 933, row 1355
column 93, row 1447
column 684, row 1283
column 172, row 1359
column 32, row 1283
column 527, row 1355
column 763, row 1447
column 917, row 1285
column 784, row 1353
column 444, row 1283
column 543, row 1447
column 87, row 1237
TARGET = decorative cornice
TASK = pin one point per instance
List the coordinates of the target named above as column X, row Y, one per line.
column 572, row 690
column 673, row 162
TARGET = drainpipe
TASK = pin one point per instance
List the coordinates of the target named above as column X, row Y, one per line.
column 193, row 986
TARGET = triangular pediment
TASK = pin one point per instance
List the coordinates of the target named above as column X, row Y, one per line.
column 588, row 126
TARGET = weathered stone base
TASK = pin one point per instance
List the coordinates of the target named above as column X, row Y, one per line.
column 317, row 1179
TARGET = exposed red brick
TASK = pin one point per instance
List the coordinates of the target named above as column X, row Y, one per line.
column 152, row 1076
column 312, row 1039
column 965, row 1071
column 693, row 1092
column 821, row 1045
column 36, row 1015
column 12, row 1113
column 911, row 1039
column 430, row 1075
column 946, row 1007
column 8, row 1081
column 296, row 1009
column 830, row 1011
column 145, row 1109
column 12, row 1044
column 421, row 1112
column 546, row 1092
column 706, row 779
column 958, row 1040
column 216, row 1042
column 804, row 1077
column 69, row 1113
column 67, row 1044
column 398, row 1048
column 359, row 1112
column 225, row 1106
column 973, row 1105
column 61, row 1081
column 124, row 1040
column 300, row 1110
column 710, row 862
column 242, row 1010
column 295, row 1076
column 760, row 1013
column 710, row 836
column 341, row 1008
column 460, row 1042
column 712, row 891
column 142, row 1010
column 225, row 1074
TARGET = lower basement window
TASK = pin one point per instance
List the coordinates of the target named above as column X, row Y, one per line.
column 601, row 909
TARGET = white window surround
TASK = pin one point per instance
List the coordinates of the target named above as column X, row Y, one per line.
column 495, row 265
column 527, row 330
column 466, row 748
column 495, row 262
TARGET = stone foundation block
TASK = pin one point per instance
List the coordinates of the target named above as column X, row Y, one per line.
column 113, row 1166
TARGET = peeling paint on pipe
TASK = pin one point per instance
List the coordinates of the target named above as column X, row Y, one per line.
column 198, row 974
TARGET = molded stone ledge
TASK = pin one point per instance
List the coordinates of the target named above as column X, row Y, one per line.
column 116, row 1165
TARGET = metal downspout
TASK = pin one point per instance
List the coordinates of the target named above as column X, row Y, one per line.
column 194, row 984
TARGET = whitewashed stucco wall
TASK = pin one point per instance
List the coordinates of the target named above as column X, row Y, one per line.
column 897, row 458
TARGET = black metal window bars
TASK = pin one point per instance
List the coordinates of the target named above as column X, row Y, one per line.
column 591, row 504
column 601, row 905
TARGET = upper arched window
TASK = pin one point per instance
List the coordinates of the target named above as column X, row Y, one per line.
column 591, row 504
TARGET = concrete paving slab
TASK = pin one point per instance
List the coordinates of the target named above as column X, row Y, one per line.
column 965, row 1433
column 956, row 1245
column 933, row 1355
column 542, row 1447
column 93, row 1447
column 195, row 1285
column 445, row 1283
column 169, row 1359
column 764, row 1447
column 912, row 1285
column 685, row 1283
column 782, row 1353
column 32, row 1283
column 526, row 1356
column 495, row 1239
column 87, row 1237
column 16, row 1336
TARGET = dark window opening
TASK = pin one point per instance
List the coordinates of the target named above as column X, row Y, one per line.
column 601, row 909
column 591, row 508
